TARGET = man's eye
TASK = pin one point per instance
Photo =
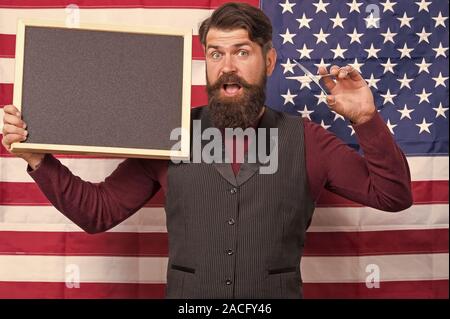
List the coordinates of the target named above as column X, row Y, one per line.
column 215, row 55
column 242, row 53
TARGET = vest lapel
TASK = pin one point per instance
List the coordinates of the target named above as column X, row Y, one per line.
column 224, row 169
column 247, row 170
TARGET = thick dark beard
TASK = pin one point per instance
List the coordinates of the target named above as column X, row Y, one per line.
column 234, row 112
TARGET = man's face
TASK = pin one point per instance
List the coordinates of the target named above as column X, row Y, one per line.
column 236, row 72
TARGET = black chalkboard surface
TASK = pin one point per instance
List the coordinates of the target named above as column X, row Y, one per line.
column 103, row 89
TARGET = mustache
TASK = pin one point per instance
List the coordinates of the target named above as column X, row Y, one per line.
column 229, row 78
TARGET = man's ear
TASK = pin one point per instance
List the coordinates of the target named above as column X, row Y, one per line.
column 271, row 60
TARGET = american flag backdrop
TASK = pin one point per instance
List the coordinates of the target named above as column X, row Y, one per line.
column 401, row 49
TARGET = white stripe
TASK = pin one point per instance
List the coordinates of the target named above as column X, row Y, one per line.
column 391, row 268
column 7, row 71
column 48, row 218
column 368, row 219
column 92, row 169
column 96, row 170
column 149, row 219
column 428, row 168
column 91, row 269
column 153, row 269
column 176, row 18
column 198, row 72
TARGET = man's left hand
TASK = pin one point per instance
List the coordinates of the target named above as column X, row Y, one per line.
column 350, row 95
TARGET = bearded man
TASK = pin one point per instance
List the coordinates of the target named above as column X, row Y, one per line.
column 234, row 232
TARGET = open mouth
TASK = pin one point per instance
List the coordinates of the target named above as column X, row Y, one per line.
column 231, row 89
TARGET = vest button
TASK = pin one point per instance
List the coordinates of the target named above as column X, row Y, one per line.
column 233, row 190
column 228, row 282
column 230, row 252
column 231, row 221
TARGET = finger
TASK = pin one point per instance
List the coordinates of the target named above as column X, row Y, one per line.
column 331, row 101
column 354, row 74
column 14, row 120
column 342, row 73
column 11, row 109
column 12, row 129
column 12, row 138
column 5, row 143
column 334, row 70
column 327, row 81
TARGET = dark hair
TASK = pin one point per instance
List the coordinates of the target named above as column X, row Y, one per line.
column 234, row 15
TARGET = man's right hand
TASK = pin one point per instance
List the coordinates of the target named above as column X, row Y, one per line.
column 14, row 131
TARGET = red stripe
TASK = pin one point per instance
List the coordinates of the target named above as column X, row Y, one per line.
column 15, row 193
column 199, row 97
column 197, row 49
column 389, row 289
column 58, row 290
column 80, row 243
column 6, row 93
column 424, row 241
column 363, row 243
column 8, row 47
column 196, row 4
column 424, row 192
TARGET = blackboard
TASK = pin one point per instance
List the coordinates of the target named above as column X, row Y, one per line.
column 103, row 89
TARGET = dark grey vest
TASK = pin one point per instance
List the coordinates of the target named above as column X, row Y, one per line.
column 243, row 236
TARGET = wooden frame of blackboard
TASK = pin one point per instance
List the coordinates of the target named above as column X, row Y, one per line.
column 184, row 143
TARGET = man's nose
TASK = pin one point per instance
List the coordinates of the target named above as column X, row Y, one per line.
column 228, row 64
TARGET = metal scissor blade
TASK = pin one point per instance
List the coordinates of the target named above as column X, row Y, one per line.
column 312, row 77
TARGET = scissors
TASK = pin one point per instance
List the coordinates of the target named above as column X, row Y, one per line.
column 313, row 77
